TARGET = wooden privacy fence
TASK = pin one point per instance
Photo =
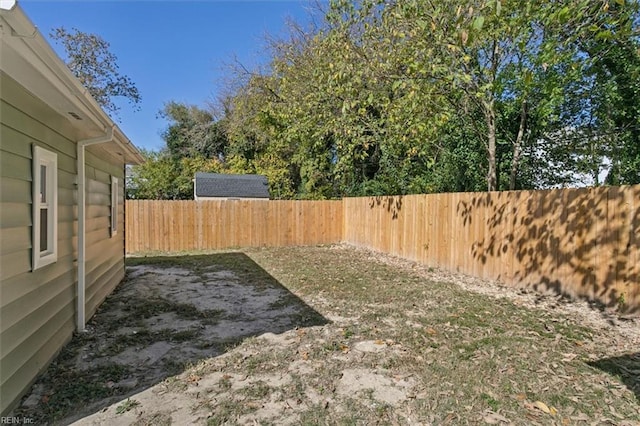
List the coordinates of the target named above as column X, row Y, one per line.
column 579, row 242
column 202, row 225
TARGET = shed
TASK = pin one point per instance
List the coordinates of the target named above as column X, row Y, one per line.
column 216, row 186
column 62, row 163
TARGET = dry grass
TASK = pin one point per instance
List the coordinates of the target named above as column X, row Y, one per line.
column 473, row 357
column 401, row 348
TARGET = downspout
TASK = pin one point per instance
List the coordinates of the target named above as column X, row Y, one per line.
column 82, row 217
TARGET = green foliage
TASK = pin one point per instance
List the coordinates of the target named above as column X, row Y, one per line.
column 163, row 177
column 432, row 96
column 192, row 132
column 90, row 60
column 127, row 405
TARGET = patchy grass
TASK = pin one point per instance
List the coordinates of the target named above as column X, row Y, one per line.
column 465, row 349
column 71, row 388
column 127, row 405
column 399, row 348
column 155, row 419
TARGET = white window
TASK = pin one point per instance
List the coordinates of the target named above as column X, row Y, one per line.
column 45, row 207
column 114, row 205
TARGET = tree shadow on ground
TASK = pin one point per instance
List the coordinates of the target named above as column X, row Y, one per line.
column 168, row 314
column 626, row 367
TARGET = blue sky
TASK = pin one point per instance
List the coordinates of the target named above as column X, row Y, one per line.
column 172, row 50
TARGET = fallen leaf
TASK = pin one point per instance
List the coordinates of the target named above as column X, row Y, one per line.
column 494, row 418
column 545, row 408
column 542, row 406
column 615, row 413
column 253, row 404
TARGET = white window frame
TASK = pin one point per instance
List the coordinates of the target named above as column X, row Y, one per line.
column 114, row 205
column 44, row 199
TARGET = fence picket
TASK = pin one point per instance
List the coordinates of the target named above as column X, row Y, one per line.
column 581, row 242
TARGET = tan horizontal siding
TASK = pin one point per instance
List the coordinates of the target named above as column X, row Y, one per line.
column 94, row 186
column 18, row 346
column 28, row 126
column 96, row 237
column 23, row 101
column 37, row 309
column 108, row 280
column 95, row 198
column 100, row 258
column 15, row 263
column 16, row 167
column 67, row 179
column 38, row 359
column 22, row 285
column 14, row 190
column 67, row 213
column 34, row 319
column 97, row 224
column 104, row 252
column 14, row 239
column 25, row 122
column 67, row 196
column 96, row 211
column 15, row 142
column 15, row 259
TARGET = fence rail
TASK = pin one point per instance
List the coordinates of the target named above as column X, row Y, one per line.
column 580, row 242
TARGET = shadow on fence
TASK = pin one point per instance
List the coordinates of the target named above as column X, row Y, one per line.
column 579, row 243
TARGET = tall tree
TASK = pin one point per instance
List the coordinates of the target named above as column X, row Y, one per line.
column 90, row 60
column 193, row 132
column 616, row 69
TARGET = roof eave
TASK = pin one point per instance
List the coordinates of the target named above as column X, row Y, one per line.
column 52, row 81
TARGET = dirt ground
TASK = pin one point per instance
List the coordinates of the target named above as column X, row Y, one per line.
column 337, row 335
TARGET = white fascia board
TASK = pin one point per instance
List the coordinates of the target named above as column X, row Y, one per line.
column 29, row 59
column 7, row 4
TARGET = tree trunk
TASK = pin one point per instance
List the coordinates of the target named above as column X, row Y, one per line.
column 490, row 115
column 492, row 174
column 517, row 146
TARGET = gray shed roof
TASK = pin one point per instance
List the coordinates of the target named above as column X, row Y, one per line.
column 231, row 186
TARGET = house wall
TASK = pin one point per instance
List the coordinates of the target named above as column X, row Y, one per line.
column 105, row 254
column 37, row 308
